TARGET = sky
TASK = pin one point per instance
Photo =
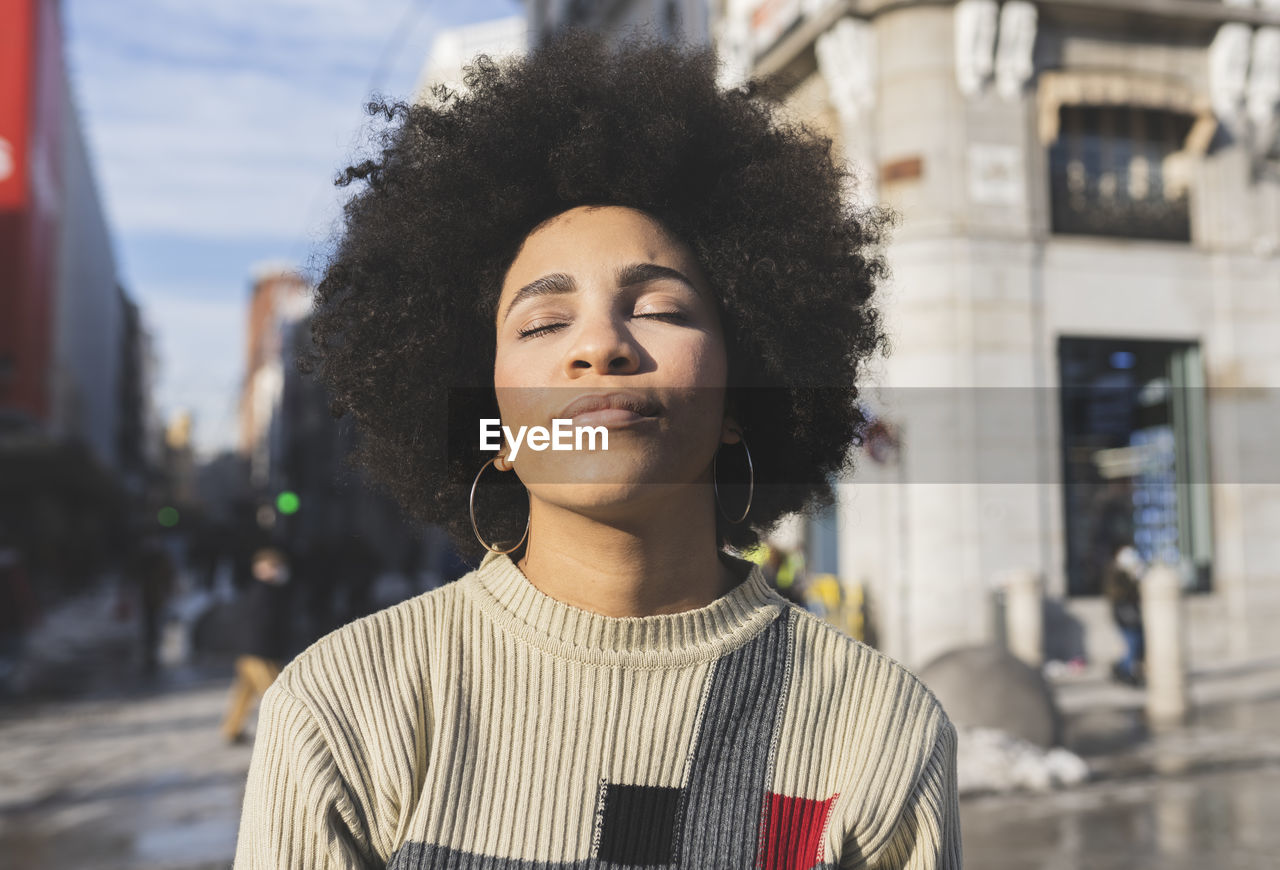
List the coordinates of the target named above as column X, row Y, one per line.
column 216, row 130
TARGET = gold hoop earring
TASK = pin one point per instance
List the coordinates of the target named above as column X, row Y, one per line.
column 472, row 507
column 751, row 490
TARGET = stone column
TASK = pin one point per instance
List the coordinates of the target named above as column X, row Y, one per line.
column 1024, row 616
column 1166, row 666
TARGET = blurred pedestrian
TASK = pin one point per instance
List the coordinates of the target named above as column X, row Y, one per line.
column 1121, row 583
column 18, row 611
column 152, row 573
column 265, row 641
column 780, row 568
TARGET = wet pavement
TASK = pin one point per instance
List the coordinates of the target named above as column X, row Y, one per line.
column 105, row 770
column 146, row 782
column 1223, row 819
column 139, row 782
column 1205, row 794
column 103, row 767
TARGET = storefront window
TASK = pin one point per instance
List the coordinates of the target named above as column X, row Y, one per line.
column 1134, row 457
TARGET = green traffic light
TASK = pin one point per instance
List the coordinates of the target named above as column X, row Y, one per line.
column 287, row 502
column 167, row 517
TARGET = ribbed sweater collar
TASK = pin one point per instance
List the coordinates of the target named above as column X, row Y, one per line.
column 669, row 640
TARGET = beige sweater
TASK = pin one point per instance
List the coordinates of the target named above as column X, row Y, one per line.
column 487, row 725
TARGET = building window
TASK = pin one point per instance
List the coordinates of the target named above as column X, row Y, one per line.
column 1121, row 171
column 1134, row 457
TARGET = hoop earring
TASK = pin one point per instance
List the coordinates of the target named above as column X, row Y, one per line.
column 472, row 507
column 751, row 491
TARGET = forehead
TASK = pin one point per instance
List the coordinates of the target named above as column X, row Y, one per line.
column 596, row 235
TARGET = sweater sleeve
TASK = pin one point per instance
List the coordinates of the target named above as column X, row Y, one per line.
column 926, row 835
column 297, row 811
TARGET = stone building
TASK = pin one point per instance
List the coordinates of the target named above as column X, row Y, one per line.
column 1085, row 303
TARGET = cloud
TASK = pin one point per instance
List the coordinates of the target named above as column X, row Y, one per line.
column 216, row 130
column 232, row 118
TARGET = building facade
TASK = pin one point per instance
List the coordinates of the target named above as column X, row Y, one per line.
column 278, row 298
column 74, row 353
column 456, row 47
column 686, row 21
column 1084, row 308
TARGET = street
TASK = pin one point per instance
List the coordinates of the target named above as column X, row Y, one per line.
column 144, row 781
column 104, row 769
column 1220, row 819
column 135, row 782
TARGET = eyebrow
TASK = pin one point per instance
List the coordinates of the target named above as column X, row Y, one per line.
column 548, row 285
column 642, row 273
column 628, row 276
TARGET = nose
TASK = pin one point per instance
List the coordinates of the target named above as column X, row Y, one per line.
column 604, row 346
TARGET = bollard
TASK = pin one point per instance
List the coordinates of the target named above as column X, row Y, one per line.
column 1024, row 616
column 1166, row 666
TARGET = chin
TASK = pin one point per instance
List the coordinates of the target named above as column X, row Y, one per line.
column 609, row 501
column 616, row 469
column 611, row 484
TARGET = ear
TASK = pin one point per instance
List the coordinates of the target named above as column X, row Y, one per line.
column 730, row 431
column 502, row 463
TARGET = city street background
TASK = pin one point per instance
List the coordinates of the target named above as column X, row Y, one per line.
column 1064, row 506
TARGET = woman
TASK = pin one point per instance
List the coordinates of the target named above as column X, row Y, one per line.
column 602, row 238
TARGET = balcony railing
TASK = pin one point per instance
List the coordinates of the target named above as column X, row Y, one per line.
column 1091, row 209
column 1121, row 171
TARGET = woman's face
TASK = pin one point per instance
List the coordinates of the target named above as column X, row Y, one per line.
column 606, row 320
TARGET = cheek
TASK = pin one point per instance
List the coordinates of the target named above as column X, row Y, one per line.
column 516, row 393
column 532, row 364
column 701, row 362
column 700, row 372
column 513, row 363
column 505, row 370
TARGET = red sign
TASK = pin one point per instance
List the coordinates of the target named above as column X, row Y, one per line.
column 17, row 32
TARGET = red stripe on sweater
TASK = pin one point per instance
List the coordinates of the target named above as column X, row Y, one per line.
column 792, row 835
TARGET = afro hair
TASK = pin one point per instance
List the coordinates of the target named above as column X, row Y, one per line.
column 403, row 331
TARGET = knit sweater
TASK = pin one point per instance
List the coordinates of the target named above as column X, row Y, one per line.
column 488, row 726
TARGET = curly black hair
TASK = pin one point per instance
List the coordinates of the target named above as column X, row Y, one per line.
column 403, row 330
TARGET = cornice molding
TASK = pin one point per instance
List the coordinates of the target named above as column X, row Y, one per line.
column 1201, row 13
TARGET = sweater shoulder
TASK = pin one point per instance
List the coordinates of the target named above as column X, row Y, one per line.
column 863, row 675
column 377, row 654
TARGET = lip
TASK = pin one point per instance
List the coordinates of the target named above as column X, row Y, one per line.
column 610, row 418
column 606, row 409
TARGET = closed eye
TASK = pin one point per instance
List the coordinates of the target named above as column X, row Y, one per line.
column 548, row 328
column 540, row 329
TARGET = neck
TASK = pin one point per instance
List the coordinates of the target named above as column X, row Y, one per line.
column 663, row 562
